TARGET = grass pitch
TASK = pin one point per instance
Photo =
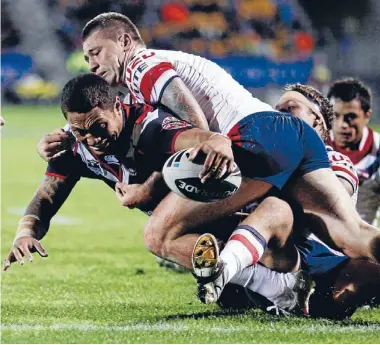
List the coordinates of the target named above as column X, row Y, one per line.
column 100, row 285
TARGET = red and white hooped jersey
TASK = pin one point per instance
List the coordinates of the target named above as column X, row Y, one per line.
column 367, row 158
column 223, row 100
column 344, row 168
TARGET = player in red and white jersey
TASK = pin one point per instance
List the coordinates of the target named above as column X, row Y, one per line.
column 193, row 88
column 352, row 137
column 222, row 99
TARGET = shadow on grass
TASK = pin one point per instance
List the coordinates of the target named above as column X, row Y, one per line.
column 263, row 317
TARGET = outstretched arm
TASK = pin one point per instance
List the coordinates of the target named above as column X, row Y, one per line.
column 33, row 226
column 181, row 102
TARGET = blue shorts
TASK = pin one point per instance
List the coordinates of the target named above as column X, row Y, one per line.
column 317, row 258
column 272, row 146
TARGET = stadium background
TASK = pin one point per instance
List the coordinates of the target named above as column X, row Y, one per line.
column 99, row 284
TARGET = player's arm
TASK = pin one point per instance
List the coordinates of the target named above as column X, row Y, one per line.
column 138, row 195
column 32, row 227
column 181, row 102
column 157, row 82
column 216, row 147
column 164, row 134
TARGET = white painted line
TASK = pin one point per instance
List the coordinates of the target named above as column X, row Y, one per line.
column 172, row 327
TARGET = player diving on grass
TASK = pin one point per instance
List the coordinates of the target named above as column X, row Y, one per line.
column 114, row 49
column 118, row 143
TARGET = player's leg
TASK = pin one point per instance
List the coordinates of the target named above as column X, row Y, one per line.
column 267, row 227
column 321, row 194
column 166, row 233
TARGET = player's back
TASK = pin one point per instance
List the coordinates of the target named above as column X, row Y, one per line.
column 223, row 100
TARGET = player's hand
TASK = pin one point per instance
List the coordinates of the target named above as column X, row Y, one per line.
column 132, row 195
column 23, row 247
column 219, row 157
column 54, row 144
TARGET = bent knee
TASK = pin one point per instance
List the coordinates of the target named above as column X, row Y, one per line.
column 153, row 238
column 279, row 216
column 158, row 238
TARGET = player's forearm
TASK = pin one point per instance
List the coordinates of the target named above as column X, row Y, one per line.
column 155, row 185
column 178, row 98
column 46, row 202
column 193, row 137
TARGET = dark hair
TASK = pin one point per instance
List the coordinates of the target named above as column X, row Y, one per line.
column 112, row 20
column 85, row 92
column 348, row 89
column 317, row 97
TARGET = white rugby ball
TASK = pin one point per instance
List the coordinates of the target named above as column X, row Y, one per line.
column 182, row 177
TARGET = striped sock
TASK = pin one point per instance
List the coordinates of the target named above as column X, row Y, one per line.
column 244, row 248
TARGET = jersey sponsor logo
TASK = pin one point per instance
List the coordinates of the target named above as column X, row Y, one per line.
column 172, row 122
column 111, row 159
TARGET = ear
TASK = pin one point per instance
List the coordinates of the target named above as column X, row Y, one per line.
column 318, row 120
column 117, row 104
column 125, row 41
column 367, row 116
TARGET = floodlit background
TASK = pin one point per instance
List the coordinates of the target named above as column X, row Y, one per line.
column 99, row 284
column 264, row 44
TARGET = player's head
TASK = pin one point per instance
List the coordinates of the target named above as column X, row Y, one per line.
column 307, row 103
column 93, row 111
column 108, row 40
column 352, row 106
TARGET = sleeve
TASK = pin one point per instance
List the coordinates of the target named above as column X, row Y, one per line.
column 64, row 166
column 160, row 131
column 147, row 76
column 343, row 168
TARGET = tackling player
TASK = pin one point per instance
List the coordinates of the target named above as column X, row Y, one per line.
column 192, row 88
column 351, row 136
column 342, row 284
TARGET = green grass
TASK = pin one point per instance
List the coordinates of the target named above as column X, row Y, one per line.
column 100, row 285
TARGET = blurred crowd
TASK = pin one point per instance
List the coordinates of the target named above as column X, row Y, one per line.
column 216, row 28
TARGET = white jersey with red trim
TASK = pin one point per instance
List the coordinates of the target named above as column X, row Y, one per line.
column 367, row 158
column 223, row 100
column 344, row 168
column 367, row 164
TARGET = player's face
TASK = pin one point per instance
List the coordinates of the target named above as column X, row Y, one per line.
column 295, row 103
column 99, row 128
column 350, row 120
column 105, row 57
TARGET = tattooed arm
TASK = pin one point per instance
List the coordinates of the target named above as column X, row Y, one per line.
column 179, row 100
column 50, row 196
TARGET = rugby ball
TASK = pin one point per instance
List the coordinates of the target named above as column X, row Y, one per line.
column 182, row 177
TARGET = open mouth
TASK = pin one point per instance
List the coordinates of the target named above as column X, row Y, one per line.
column 103, row 145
